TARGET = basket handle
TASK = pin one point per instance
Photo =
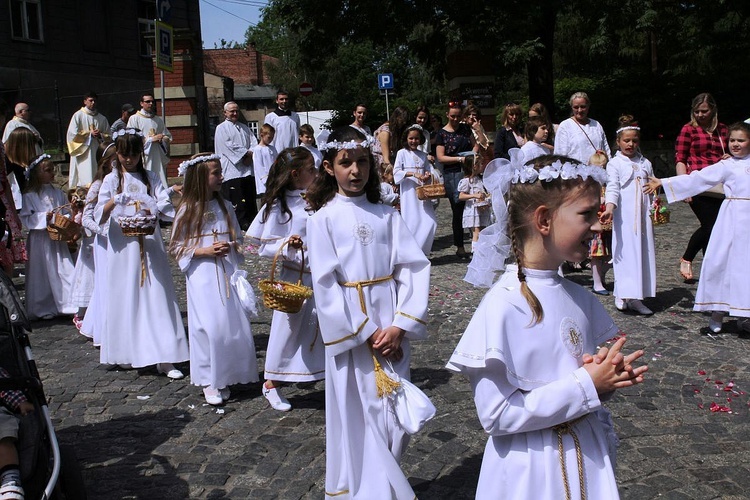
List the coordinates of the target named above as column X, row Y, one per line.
column 276, row 257
column 58, row 209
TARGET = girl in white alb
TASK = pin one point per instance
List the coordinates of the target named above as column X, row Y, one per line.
column 205, row 239
column 82, row 285
column 537, row 388
column 627, row 206
column 143, row 322
column 723, row 287
column 371, row 283
column 410, row 170
column 295, row 350
column 264, row 154
column 49, row 270
column 95, row 318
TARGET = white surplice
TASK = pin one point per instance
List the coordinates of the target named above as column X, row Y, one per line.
column 533, row 150
column 49, row 270
column 286, row 130
column 723, row 286
column 143, row 325
column 295, row 350
column 232, row 141
column 83, row 166
column 419, row 215
column 528, row 379
column 633, row 254
column 155, row 154
column 263, row 158
column 222, row 350
column 95, row 318
column 353, row 240
column 580, row 141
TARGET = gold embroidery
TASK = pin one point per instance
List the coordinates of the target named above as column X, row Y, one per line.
column 413, row 318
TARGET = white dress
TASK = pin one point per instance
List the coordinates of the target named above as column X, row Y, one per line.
column 476, row 213
column 353, row 240
column 295, row 350
column 723, row 284
column 533, row 150
column 528, row 379
column 222, row 350
column 155, row 154
column 83, row 275
column 49, row 270
column 633, row 255
column 580, row 141
column 95, row 318
column 263, row 158
column 143, row 325
column 419, row 215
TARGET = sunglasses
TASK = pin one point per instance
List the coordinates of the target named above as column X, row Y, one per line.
column 149, row 102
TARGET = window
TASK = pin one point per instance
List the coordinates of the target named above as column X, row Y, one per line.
column 26, row 20
column 146, row 27
column 254, row 127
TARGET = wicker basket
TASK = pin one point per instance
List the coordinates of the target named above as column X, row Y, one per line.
column 61, row 228
column 659, row 218
column 431, row 191
column 129, row 229
column 281, row 295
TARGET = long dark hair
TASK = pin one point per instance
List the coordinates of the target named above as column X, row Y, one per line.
column 131, row 144
column 280, row 179
column 324, row 188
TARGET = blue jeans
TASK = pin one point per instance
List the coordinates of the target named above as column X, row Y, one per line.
column 457, row 207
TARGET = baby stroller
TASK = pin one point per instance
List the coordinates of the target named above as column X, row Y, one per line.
column 48, row 471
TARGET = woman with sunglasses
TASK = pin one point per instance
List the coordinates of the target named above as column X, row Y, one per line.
column 511, row 134
column 455, row 145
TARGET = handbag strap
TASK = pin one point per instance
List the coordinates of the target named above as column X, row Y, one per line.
column 587, row 135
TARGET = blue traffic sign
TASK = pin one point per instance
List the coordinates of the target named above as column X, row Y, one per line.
column 385, row 81
column 163, row 10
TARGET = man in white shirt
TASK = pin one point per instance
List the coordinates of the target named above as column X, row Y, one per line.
column 285, row 122
column 233, row 141
column 158, row 138
column 21, row 119
column 86, row 132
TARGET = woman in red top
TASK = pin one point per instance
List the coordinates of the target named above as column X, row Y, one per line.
column 701, row 143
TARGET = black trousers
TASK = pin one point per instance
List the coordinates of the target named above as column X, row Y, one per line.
column 241, row 194
column 706, row 209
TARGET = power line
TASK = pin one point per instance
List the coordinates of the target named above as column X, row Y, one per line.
column 231, row 13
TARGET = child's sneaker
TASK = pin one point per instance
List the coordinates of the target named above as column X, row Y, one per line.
column 77, row 321
column 276, row 399
column 11, row 491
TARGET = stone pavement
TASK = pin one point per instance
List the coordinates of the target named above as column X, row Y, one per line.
column 140, row 436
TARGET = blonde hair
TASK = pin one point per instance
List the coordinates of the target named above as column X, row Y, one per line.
column 599, row 159
column 523, row 200
column 708, row 99
column 192, row 207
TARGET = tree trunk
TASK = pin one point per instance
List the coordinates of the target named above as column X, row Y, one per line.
column 540, row 69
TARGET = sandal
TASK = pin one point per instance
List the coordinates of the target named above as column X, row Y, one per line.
column 686, row 269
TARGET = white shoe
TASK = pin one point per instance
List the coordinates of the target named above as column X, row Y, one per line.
column 621, row 304
column 11, row 491
column 637, row 306
column 276, row 399
column 170, row 371
column 225, row 393
column 714, row 324
column 213, row 396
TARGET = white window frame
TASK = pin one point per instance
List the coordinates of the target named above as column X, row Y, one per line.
column 23, row 5
column 255, row 127
column 146, row 27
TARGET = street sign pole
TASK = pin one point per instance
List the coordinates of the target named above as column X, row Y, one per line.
column 385, row 83
column 387, row 109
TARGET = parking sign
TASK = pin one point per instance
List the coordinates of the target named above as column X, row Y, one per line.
column 385, row 81
column 164, row 46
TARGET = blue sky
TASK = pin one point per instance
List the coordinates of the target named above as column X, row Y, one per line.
column 227, row 19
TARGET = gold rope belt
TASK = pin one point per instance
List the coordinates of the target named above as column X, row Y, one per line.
column 360, row 285
column 736, row 198
column 561, row 430
column 385, row 385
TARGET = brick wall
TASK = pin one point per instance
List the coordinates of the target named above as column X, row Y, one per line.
column 244, row 66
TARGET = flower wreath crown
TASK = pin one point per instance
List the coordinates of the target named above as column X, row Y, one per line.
column 185, row 165
column 353, row 144
column 39, row 159
column 127, row 131
column 494, row 246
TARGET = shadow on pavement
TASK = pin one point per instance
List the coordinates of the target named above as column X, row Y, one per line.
column 119, row 460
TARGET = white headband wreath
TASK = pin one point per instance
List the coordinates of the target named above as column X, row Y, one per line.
column 353, row 144
column 185, row 165
column 39, row 159
column 127, row 131
column 629, row 127
column 494, row 246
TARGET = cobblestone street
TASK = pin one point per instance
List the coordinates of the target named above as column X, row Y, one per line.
column 139, row 436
